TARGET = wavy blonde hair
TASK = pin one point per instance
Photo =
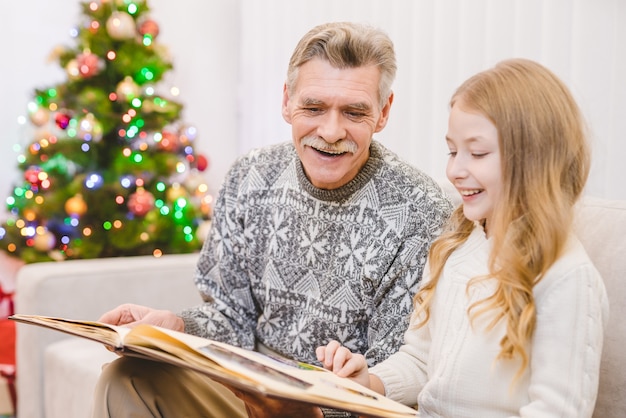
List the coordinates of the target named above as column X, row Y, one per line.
column 545, row 164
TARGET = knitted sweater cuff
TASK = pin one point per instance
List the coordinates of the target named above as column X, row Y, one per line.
column 334, row 413
column 191, row 326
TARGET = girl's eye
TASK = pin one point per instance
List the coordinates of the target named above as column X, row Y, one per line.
column 478, row 154
column 452, row 153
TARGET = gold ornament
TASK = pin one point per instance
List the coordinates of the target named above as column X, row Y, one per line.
column 206, row 205
column 175, row 192
column 76, row 205
column 44, row 241
column 127, row 89
column 72, row 70
column 89, row 128
column 121, row 25
column 40, row 116
column 29, row 214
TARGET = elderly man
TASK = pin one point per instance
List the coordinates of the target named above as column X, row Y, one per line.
column 321, row 238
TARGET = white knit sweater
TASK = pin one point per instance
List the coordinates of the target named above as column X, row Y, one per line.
column 449, row 367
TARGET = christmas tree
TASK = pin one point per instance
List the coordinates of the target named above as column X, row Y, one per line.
column 110, row 170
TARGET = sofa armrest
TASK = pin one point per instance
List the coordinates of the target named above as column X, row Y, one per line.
column 84, row 289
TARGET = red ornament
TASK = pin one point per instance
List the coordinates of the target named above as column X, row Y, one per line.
column 202, row 162
column 31, row 175
column 140, row 202
column 62, row 120
column 169, row 142
column 149, row 27
column 88, row 64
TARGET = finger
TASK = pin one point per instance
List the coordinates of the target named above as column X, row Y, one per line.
column 342, row 355
column 329, row 354
column 319, row 353
column 121, row 315
column 111, row 317
column 356, row 365
column 350, row 367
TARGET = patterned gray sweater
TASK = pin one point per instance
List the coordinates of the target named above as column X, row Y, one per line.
column 292, row 266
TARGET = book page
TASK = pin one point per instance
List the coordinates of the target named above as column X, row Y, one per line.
column 158, row 344
column 234, row 366
column 275, row 376
column 110, row 335
column 314, row 384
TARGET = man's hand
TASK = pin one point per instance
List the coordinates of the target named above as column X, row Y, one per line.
column 132, row 315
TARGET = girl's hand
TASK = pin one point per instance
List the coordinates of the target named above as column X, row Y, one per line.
column 343, row 362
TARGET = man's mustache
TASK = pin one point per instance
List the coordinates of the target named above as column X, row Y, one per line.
column 339, row 147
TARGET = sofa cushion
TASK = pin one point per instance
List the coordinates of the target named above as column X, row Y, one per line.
column 72, row 368
column 601, row 226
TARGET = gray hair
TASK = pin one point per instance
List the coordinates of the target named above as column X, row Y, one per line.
column 347, row 45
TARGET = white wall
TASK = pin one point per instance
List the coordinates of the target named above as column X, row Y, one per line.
column 230, row 58
column 439, row 44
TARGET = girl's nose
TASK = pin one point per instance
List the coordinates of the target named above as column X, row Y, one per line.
column 456, row 168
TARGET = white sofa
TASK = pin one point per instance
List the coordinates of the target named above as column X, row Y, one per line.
column 56, row 374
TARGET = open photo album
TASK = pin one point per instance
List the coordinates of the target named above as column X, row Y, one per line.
column 244, row 369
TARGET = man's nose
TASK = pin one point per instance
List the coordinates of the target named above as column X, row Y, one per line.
column 331, row 127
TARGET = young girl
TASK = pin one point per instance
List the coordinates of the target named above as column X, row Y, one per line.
column 510, row 315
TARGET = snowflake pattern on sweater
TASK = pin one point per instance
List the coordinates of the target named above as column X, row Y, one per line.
column 292, row 266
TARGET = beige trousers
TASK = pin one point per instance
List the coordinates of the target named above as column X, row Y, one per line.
column 136, row 388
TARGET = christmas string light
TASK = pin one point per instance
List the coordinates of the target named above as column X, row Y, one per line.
column 109, row 169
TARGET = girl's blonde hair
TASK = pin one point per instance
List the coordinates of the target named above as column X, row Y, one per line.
column 545, row 162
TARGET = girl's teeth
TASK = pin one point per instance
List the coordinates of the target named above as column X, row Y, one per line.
column 469, row 192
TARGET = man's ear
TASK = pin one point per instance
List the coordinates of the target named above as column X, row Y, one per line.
column 384, row 114
column 285, row 107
